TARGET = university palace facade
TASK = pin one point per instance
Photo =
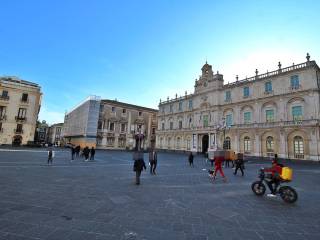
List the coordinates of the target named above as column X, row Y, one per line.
column 271, row 113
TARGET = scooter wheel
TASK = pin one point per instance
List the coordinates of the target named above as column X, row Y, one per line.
column 258, row 188
column 288, row 194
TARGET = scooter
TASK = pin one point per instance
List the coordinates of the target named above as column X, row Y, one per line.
column 287, row 193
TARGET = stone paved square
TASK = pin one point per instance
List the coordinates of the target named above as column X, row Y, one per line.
column 99, row 200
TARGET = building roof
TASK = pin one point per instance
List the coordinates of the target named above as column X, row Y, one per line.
column 16, row 80
column 114, row 102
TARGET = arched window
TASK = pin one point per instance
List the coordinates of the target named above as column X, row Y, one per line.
column 227, row 143
column 270, row 144
column 298, row 147
column 169, row 142
column 247, row 144
column 161, row 140
column 188, row 143
column 178, row 143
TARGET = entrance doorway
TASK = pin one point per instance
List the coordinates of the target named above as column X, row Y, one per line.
column 205, row 143
column 17, row 140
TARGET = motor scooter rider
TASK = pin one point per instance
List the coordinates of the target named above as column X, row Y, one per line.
column 275, row 178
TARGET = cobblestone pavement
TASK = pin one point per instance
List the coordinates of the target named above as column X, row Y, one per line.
column 99, row 200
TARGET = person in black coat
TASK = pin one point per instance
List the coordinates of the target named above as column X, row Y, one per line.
column 86, row 152
column 153, row 159
column 190, row 158
column 138, row 165
column 239, row 164
column 92, row 153
column 73, row 151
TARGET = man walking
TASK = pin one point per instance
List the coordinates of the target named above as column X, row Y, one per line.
column 190, row 158
column 92, row 153
column 73, row 151
column 153, row 161
column 50, row 156
column 86, row 152
column 239, row 164
column 138, row 165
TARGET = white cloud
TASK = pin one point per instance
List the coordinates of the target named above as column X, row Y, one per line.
column 51, row 117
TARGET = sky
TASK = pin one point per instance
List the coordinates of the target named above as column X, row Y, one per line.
column 140, row 51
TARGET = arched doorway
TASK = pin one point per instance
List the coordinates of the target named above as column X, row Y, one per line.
column 17, row 140
column 205, row 143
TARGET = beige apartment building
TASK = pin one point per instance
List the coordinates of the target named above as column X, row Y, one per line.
column 19, row 108
column 274, row 112
column 121, row 125
column 55, row 134
column 110, row 124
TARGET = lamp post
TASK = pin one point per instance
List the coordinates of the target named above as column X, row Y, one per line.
column 224, row 132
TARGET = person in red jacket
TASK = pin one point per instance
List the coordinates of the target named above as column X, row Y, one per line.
column 218, row 167
column 275, row 178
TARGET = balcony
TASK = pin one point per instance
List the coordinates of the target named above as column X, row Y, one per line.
column 24, row 101
column 4, row 98
column 268, row 93
column 20, row 119
column 3, row 117
column 278, row 124
column 295, row 87
column 1, row 130
column 18, row 131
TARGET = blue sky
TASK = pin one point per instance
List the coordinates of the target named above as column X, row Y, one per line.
column 141, row 51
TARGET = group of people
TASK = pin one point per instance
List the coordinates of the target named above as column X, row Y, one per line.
column 86, row 152
column 139, row 163
column 217, row 161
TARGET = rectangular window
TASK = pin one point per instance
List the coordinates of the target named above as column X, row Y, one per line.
column 22, row 112
column 24, row 97
column 247, row 117
column 2, row 111
column 205, row 121
column 19, row 128
column 228, row 120
column 227, row 96
column 268, row 87
column 270, row 115
column 171, row 108
column 123, row 127
column 246, row 92
column 153, row 131
column 162, row 109
column 162, row 126
column 1, row 127
column 111, row 128
column 180, row 124
column 294, row 80
column 190, row 104
column 124, row 111
column 113, row 109
column 4, row 93
column 140, row 114
column 99, row 125
column 171, row 125
column 180, row 106
column 297, row 113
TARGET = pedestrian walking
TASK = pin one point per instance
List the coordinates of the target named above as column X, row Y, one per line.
column 92, row 153
column 218, row 167
column 138, row 165
column 73, row 151
column 239, row 164
column 86, row 152
column 153, row 159
column 50, row 156
column 190, row 158
column 77, row 150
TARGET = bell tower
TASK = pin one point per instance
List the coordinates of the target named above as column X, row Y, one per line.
column 208, row 80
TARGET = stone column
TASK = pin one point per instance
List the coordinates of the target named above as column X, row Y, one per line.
column 314, row 145
column 257, row 146
column 283, row 144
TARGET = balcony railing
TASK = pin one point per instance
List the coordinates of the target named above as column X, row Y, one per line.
column 22, row 100
column 5, row 98
column 20, row 119
column 18, row 131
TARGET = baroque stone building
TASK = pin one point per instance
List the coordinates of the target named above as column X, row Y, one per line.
column 55, row 134
column 274, row 112
column 19, row 108
column 110, row 124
